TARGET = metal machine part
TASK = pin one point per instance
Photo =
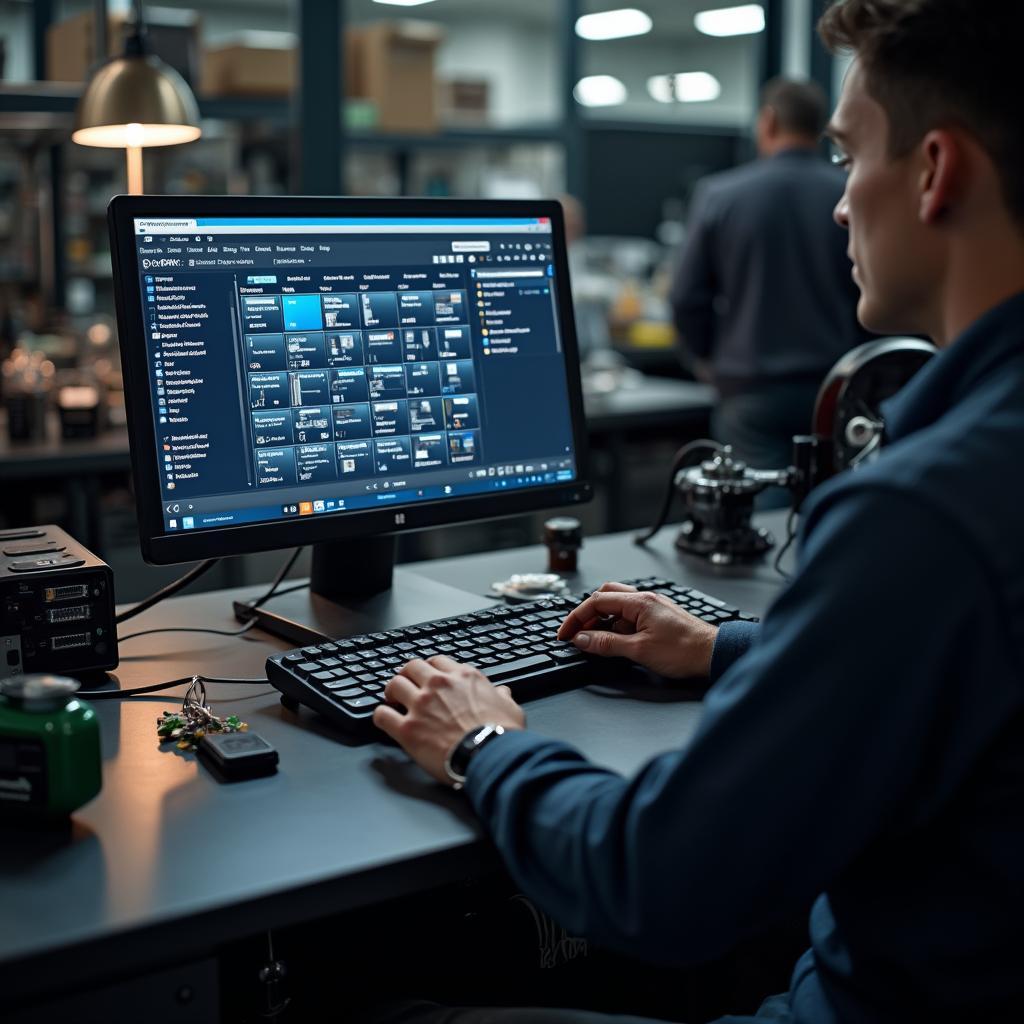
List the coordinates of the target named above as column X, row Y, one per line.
column 848, row 429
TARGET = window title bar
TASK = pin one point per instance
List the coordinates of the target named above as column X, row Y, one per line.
column 337, row 225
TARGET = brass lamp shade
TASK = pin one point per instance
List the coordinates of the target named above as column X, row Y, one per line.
column 134, row 101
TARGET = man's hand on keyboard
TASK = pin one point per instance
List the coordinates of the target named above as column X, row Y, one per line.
column 443, row 700
column 618, row 621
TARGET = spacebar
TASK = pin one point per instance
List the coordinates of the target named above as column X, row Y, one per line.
column 512, row 668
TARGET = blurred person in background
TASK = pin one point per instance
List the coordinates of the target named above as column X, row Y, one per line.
column 763, row 298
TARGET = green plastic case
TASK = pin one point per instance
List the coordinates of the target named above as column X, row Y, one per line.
column 50, row 761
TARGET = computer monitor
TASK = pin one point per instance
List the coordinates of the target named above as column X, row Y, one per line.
column 328, row 371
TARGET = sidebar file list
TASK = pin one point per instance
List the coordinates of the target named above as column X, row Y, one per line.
column 194, row 386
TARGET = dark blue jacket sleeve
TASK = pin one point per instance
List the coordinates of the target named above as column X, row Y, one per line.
column 810, row 746
column 694, row 287
column 733, row 641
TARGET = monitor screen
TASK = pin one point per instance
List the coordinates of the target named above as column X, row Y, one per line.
column 318, row 366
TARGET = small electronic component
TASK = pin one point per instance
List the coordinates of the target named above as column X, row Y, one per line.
column 237, row 755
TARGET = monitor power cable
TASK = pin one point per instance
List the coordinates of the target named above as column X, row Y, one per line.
column 169, row 591
column 271, row 591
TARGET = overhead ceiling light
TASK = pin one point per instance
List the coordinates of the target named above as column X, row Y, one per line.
column 685, row 87
column 404, row 3
column 600, row 91
column 747, row 19
column 613, row 24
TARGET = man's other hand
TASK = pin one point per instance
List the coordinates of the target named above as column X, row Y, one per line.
column 443, row 700
column 618, row 621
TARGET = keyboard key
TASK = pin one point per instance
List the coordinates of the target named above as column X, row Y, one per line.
column 340, row 690
column 568, row 657
column 511, row 668
column 368, row 701
column 306, row 667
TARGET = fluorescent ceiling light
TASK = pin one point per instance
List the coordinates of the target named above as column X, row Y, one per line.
column 403, row 3
column 686, row 87
column 731, row 21
column 599, row 91
column 613, row 24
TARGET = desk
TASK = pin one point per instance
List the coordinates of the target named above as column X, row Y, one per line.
column 340, row 826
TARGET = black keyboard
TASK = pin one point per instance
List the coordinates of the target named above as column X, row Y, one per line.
column 513, row 645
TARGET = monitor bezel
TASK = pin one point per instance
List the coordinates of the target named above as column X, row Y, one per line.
column 159, row 548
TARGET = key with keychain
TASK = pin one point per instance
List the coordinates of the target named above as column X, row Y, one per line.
column 224, row 745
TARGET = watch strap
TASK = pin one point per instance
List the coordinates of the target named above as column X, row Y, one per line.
column 456, row 763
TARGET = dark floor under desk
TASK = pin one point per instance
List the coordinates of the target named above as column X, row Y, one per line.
column 482, row 943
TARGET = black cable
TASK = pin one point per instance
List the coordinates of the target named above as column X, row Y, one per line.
column 195, row 574
column 189, row 629
column 282, row 572
column 678, row 462
column 288, row 590
column 790, row 537
column 135, row 691
column 169, row 591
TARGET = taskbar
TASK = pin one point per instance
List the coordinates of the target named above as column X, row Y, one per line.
column 196, row 520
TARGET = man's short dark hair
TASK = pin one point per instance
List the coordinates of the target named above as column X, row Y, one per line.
column 800, row 107
column 934, row 63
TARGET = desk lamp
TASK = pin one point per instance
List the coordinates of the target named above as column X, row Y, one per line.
column 133, row 101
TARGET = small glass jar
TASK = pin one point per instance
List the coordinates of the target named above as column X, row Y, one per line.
column 563, row 536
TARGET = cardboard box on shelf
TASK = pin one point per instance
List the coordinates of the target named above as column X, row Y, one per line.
column 71, row 52
column 464, row 101
column 252, row 64
column 391, row 64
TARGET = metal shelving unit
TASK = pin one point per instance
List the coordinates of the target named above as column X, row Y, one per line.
column 314, row 116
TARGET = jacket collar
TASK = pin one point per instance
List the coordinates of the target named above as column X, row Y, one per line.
column 987, row 344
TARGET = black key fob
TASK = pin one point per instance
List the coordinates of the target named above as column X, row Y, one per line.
column 232, row 756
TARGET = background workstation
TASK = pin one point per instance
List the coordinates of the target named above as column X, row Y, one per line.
column 519, row 104
column 523, row 106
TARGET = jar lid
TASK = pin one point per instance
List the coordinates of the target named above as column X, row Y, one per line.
column 38, row 692
column 563, row 528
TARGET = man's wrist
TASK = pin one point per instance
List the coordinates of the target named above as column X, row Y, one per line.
column 462, row 752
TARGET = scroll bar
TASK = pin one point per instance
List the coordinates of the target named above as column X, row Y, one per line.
column 242, row 405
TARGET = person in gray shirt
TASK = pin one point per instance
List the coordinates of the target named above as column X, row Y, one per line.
column 763, row 298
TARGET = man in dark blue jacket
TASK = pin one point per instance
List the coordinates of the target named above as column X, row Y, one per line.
column 865, row 745
column 762, row 298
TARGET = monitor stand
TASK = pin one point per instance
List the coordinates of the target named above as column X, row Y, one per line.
column 354, row 587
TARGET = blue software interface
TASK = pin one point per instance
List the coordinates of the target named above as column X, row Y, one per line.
column 322, row 365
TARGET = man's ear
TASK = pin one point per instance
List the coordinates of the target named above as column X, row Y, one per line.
column 941, row 178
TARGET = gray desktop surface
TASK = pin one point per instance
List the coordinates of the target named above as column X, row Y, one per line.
column 167, row 863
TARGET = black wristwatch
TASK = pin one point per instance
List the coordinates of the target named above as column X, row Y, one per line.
column 457, row 762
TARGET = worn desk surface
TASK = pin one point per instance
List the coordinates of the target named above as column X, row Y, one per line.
column 339, row 826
